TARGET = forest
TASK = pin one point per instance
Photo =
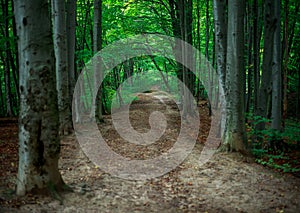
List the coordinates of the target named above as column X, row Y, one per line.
column 149, row 106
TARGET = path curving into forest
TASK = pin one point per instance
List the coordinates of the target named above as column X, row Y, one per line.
column 227, row 183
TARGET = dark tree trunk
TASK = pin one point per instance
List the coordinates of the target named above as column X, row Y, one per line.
column 7, row 65
column 256, row 56
column 276, row 72
column 250, row 59
column 265, row 88
column 97, row 41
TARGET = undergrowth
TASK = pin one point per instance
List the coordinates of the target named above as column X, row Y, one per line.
column 279, row 150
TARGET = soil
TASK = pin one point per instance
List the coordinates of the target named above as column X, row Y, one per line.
column 228, row 182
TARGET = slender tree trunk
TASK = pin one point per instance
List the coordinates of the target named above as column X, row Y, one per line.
column 256, row 49
column 8, row 95
column 285, row 53
column 175, row 11
column 71, row 44
column 209, row 89
column 97, row 41
column 250, row 58
column 39, row 145
column 62, row 77
column 220, row 24
column 14, row 56
column 199, row 49
column 276, row 74
column 189, row 34
column 185, row 7
column 265, row 85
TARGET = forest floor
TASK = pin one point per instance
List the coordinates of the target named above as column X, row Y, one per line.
column 228, row 182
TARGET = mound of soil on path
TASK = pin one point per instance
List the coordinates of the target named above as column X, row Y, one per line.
column 227, row 183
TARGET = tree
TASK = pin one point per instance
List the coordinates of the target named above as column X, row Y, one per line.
column 71, row 45
column 185, row 16
column 181, row 14
column 265, row 88
column 97, row 46
column 38, row 122
column 276, row 75
column 9, row 110
column 62, row 77
column 220, row 24
column 235, row 134
column 256, row 55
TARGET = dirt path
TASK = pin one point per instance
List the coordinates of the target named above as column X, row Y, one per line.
column 227, row 183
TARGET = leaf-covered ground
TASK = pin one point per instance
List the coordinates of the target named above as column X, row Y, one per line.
column 227, row 183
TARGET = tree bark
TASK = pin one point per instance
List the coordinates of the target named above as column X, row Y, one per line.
column 250, row 58
column 97, row 46
column 62, row 77
column 235, row 135
column 220, row 24
column 39, row 144
column 71, row 44
column 276, row 74
column 185, row 17
column 7, row 78
column 256, row 55
column 265, row 88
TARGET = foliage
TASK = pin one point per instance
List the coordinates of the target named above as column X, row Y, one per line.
column 269, row 160
column 271, row 148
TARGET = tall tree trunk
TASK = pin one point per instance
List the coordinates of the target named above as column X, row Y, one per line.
column 71, row 44
column 285, row 54
column 256, row 56
column 39, row 144
column 235, row 135
column 220, row 24
column 209, row 71
column 8, row 95
column 62, row 77
column 14, row 56
column 250, row 58
column 175, row 10
column 185, row 15
column 265, row 85
column 276, row 74
column 198, row 45
column 97, row 41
